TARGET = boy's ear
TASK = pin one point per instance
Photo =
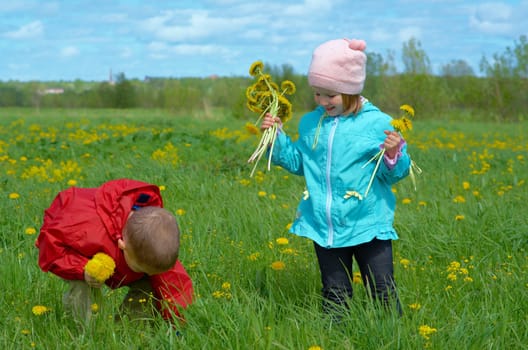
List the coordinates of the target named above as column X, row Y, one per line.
column 121, row 244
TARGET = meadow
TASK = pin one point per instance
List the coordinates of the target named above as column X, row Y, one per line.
column 461, row 262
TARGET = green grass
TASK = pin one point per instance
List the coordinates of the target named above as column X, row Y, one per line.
column 466, row 220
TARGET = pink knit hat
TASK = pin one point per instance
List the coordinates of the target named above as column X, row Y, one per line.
column 339, row 65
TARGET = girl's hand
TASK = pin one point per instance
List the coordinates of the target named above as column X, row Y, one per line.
column 268, row 121
column 392, row 143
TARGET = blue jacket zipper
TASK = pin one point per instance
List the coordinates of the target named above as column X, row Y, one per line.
column 330, row 240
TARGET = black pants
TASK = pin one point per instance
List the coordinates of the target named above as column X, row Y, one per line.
column 375, row 265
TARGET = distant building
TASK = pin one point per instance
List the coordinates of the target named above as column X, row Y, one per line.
column 52, row 91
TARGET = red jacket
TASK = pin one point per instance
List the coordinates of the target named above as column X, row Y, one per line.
column 81, row 222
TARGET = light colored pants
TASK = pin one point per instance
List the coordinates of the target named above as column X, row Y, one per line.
column 81, row 300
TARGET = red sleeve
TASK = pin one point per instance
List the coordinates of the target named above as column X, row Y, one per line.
column 173, row 290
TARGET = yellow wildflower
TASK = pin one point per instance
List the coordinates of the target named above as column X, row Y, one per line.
column 256, row 68
column 278, row 265
column 30, row 231
column 405, row 263
column 282, row 241
column 14, row 195
column 426, row 331
column 407, row 109
column 100, row 267
column 415, row 306
column 459, row 199
column 40, row 310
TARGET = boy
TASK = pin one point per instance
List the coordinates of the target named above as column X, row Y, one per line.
column 125, row 220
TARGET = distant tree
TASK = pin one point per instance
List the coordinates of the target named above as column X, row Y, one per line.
column 512, row 63
column 457, row 68
column 124, row 92
column 415, row 60
column 377, row 65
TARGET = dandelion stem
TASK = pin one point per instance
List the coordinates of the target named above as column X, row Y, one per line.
column 380, row 157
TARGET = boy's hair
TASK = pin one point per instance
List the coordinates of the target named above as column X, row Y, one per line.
column 153, row 235
column 351, row 103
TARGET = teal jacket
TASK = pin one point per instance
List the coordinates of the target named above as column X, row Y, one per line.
column 334, row 211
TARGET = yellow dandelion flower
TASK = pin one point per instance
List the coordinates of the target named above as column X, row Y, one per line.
column 100, row 267
column 315, row 347
column 162, row 188
column 415, row 306
column 262, row 193
column 468, row 279
column 405, row 263
column 282, row 241
column 30, row 231
column 94, row 307
column 459, row 199
column 422, row 203
column 466, row 185
column 454, row 266
column 218, row 294
column 452, row 277
column 459, row 217
column 25, row 331
column 14, row 195
column 278, row 265
column 39, row 310
column 254, row 256
column 226, row 285
column 406, row 201
column 288, row 87
column 426, row 331
column 407, row 109
column 256, row 68
column 180, row 212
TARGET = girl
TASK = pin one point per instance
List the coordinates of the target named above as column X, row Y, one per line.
column 335, row 141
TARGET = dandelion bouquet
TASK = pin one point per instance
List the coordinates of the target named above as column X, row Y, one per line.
column 265, row 96
column 401, row 125
column 100, row 267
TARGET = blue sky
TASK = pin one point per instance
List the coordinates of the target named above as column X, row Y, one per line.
column 85, row 39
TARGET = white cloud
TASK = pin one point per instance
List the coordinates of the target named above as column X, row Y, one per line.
column 29, row 31
column 192, row 25
column 492, row 18
column 69, row 51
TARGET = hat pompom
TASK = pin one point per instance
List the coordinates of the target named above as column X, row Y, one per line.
column 357, row 44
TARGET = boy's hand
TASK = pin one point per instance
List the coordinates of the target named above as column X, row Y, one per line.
column 392, row 143
column 92, row 282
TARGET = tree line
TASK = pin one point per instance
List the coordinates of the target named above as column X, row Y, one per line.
column 499, row 92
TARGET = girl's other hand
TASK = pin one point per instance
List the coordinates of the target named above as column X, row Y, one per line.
column 392, row 143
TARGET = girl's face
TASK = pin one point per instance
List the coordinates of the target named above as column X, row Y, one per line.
column 330, row 100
